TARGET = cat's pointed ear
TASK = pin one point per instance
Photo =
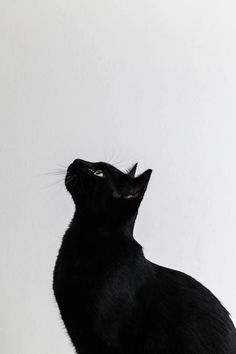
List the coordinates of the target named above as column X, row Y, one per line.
column 141, row 182
column 139, row 186
column 131, row 171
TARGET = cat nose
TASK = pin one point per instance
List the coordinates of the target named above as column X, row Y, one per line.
column 78, row 165
column 80, row 162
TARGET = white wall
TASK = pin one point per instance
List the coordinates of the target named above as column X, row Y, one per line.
column 152, row 81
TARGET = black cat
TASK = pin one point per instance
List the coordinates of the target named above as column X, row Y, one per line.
column 111, row 298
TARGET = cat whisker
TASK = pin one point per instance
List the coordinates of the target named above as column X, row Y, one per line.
column 54, row 183
column 53, row 173
column 118, row 162
column 62, row 166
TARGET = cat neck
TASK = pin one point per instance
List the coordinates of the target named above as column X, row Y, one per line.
column 85, row 223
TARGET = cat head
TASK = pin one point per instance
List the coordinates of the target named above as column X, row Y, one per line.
column 104, row 191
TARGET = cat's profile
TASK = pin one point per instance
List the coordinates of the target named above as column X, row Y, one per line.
column 111, row 298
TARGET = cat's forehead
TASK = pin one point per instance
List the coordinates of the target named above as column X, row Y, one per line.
column 106, row 166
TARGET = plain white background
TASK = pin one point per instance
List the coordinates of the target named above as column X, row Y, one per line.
column 120, row 81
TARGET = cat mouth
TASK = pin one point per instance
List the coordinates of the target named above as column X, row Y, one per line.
column 69, row 178
column 70, row 181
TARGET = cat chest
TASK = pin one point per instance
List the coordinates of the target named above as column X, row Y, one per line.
column 98, row 290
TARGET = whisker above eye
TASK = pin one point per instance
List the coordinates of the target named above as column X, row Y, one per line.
column 117, row 162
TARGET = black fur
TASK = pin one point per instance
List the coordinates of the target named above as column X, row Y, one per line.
column 111, row 298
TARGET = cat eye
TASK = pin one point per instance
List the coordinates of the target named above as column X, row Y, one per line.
column 99, row 173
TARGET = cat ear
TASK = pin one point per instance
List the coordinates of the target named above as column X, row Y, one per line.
column 139, row 186
column 131, row 171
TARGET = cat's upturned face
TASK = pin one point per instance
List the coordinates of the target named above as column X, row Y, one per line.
column 103, row 190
